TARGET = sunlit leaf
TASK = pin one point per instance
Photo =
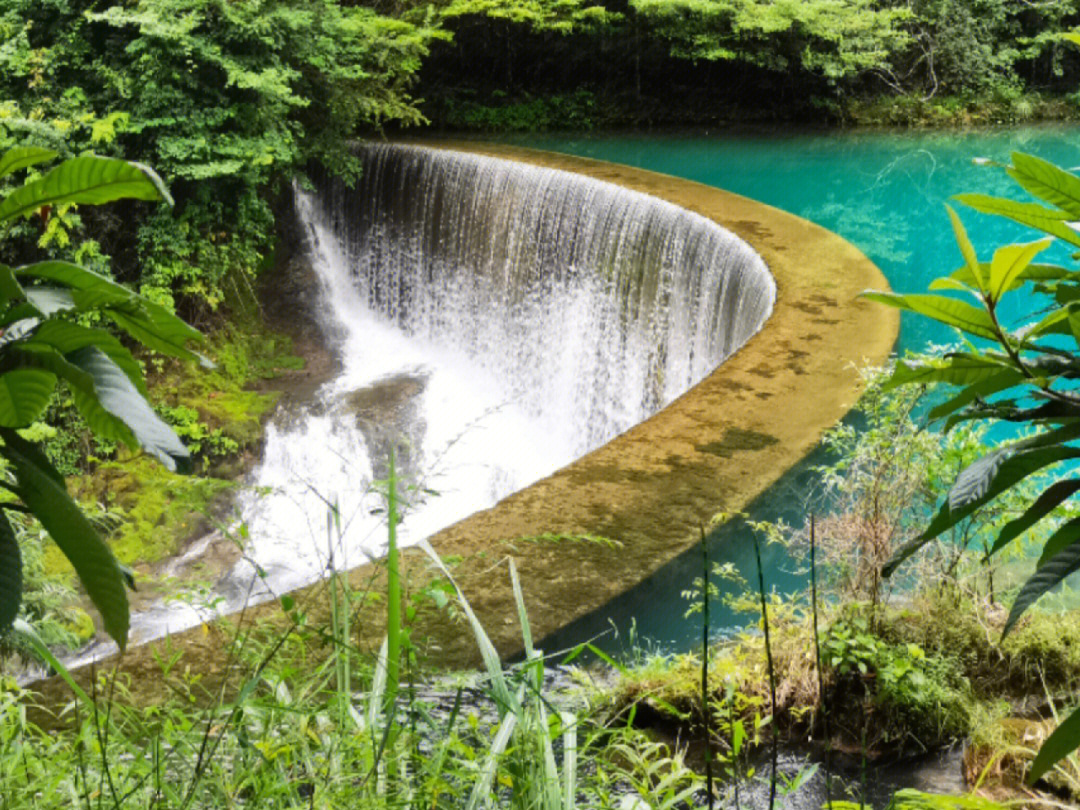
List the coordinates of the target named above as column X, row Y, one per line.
column 1009, row 263
column 1046, row 577
column 948, row 311
column 971, row 260
column 1047, row 182
column 87, row 180
column 1037, row 216
column 39, row 489
column 1055, row 495
column 23, row 156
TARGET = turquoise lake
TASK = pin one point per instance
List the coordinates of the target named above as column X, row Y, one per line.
column 885, row 192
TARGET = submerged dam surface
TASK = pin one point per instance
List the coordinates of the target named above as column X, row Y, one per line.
column 578, row 363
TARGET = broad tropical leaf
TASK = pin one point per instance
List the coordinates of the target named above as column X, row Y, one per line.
column 50, row 300
column 82, row 388
column 975, row 480
column 23, row 156
column 1056, row 747
column 948, row 311
column 1047, row 182
column 1055, row 495
column 1060, row 540
column 10, row 574
column 971, row 260
column 10, row 289
column 24, row 394
column 147, row 322
column 42, row 490
column 1009, row 263
column 955, row 369
column 66, row 337
column 88, row 180
column 1047, row 575
column 1011, row 472
column 120, row 398
column 1037, row 216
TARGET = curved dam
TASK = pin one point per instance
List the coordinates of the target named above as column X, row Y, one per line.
column 691, row 343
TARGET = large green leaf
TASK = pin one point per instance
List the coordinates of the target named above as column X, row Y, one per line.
column 87, row 180
column 1011, row 472
column 147, row 322
column 948, row 311
column 1064, row 739
column 1047, row 576
column 50, row 300
column 1047, row 182
column 975, row 480
column 66, row 337
column 10, row 289
column 10, row 574
column 1002, row 381
column 955, row 369
column 1009, row 263
column 1055, row 495
column 82, row 387
column 118, row 396
column 38, row 486
column 22, row 156
column 1044, row 219
column 151, row 325
column 1033, row 272
column 1065, row 536
column 971, row 260
column 24, row 394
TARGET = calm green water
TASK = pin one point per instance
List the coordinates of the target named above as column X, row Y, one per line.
column 883, row 191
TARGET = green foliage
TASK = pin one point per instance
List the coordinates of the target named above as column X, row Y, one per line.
column 559, row 16
column 887, row 475
column 226, row 99
column 834, row 39
column 575, row 110
column 923, row 699
column 1025, row 375
column 43, row 343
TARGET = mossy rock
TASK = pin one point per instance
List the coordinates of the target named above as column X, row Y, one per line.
column 158, row 510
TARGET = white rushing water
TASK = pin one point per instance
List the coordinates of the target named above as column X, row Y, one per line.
column 494, row 321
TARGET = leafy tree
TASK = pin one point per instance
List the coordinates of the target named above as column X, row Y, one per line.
column 44, row 309
column 834, row 38
column 226, row 98
column 1026, row 376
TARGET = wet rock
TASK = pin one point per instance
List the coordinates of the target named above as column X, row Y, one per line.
column 388, row 414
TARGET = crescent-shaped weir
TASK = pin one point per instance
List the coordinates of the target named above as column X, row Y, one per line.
column 607, row 314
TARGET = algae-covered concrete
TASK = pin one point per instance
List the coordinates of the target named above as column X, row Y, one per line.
column 714, row 449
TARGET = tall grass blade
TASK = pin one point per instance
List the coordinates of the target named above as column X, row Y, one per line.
column 570, row 742
column 817, row 660
column 705, row 668
column 24, row 631
column 775, row 753
column 482, row 789
column 503, row 696
column 393, row 588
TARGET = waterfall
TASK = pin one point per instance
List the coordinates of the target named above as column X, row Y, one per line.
column 494, row 321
